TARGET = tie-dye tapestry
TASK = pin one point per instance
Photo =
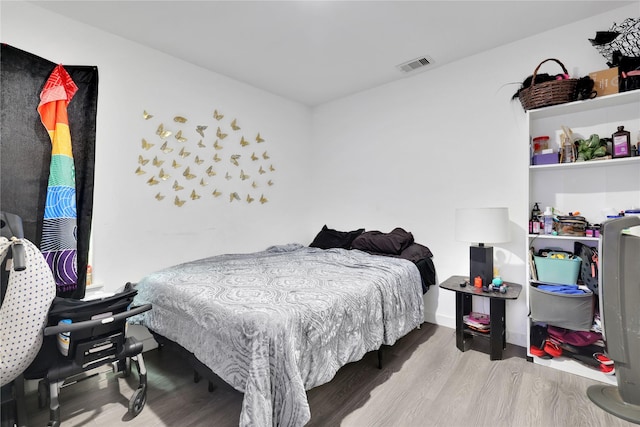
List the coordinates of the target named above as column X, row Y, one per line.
column 59, row 231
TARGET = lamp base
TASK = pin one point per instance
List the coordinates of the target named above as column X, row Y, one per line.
column 481, row 263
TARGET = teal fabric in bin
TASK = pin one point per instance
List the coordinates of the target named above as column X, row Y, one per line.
column 559, row 271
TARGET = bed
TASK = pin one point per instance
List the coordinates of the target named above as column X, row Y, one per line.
column 276, row 323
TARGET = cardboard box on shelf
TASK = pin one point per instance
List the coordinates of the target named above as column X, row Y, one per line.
column 605, row 81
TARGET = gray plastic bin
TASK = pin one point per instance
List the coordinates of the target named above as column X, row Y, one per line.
column 570, row 311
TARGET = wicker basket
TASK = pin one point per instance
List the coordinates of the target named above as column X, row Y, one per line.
column 548, row 93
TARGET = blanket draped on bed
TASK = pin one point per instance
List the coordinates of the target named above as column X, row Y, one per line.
column 276, row 323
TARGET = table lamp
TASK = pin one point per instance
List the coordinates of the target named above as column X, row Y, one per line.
column 480, row 226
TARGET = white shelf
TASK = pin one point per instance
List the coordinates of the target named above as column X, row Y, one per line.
column 589, row 164
column 552, row 237
column 587, row 105
column 574, row 367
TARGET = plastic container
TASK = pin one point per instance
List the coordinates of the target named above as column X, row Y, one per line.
column 572, row 311
column 571, row 225
column 559, row 271
column 548, row 221
column 64, row 338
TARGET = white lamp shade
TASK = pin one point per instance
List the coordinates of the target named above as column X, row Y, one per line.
column 482, row 225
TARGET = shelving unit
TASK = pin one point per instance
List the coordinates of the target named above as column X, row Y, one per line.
column 591, row 187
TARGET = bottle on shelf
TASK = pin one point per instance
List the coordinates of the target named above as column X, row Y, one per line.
column 534, row 221
column 548, row 220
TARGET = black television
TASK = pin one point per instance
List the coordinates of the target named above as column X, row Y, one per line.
column 619, row 297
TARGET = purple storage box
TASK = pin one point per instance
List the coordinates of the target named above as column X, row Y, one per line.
column 545, row 159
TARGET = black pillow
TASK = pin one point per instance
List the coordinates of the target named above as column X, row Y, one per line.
column 328, row 238
column 392, row 243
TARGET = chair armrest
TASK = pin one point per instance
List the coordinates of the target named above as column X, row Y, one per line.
column 52, row 330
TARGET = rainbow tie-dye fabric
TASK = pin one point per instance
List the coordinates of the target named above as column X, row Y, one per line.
column 60, row 231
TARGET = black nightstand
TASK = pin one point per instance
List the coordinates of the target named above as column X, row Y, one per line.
column 464, row 335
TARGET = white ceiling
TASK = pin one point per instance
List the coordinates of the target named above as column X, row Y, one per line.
column 317, row 51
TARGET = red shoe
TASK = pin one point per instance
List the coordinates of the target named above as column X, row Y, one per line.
column 536, row 351
column 602, row 358
column 552, row 349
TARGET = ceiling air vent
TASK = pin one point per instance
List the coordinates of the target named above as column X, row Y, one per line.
column 415, row 64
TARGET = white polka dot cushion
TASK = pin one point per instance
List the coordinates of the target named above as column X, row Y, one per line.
column 24, row 311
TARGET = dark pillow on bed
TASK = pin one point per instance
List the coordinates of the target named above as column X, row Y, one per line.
column 328, row 238
column 386, row 243
column 415, row 252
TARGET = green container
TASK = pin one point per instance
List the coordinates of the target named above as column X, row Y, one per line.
column 559, row 271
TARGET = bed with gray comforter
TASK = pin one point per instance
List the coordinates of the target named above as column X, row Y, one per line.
column 276, row 323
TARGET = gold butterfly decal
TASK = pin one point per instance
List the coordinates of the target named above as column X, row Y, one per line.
column 216, row 193
column 194, row 195
column 234, row 125
column 187, row 173
column 163, row 176
column 146, row 115
column 232, row 196
column 184, row 153
column 227, row 176
column 216, row 158
column 146, row 145
column 142, row 160
column 234, row 159
column 219, row 134
column 254, row 184
column 157, row 162
column 200, row 129
column 139, row 171
column 175, row 164
column 265, row 156
column 180, row 119
column 165, row 148
column 217, row 146
column 179, row 137
column 177, row 186
column 261, row 171
column 153, row 181
column 271, row 168
column 249, row 199
column 270, row 182
column 259, row 138
column 178, row 202
column 254, row 157
column 201, row 144
column 263, row 199
column 163, row 133
column 198, row 160
column 159, row 196
column 203, row 183
column 217, row 115
column 210, row 171
column 243, row 142
column 243, row 176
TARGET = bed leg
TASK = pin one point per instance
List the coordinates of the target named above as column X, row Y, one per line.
column 380, row 358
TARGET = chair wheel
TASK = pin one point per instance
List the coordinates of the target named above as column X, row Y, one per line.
column 137, row 401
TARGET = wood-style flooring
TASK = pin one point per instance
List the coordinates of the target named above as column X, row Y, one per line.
column 425, row 381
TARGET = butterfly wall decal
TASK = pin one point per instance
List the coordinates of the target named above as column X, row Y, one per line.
column 163, row 176
column 217, row 145
column 234, row 125
column 146, row 145
column 233, row 196
column 259, row 139
column 217, row 115
column 194, row 195
column 198, row 160
column 203, row 183
column 234, row 159
column 184, row 153
column 219, row 134
column 146, row 115
column 201, row 144
column 270, row 183
column 153, row 181
column 177, row 186
column 179, row 137
column 175, row 164
column 263, row 199
column 178, row 202
column 254, row 157
column 187, row 173
column 227, row 176
column 210, row 171
column 249, row 199
column 200, row 129
column 243, row 142
column 164, row 134
column 261, row 171
column 216, row 158
column 271, row 168
column 180, row 119
column 216, row 193
column 254, row 184
column 165, row 148
column 157, row 162
column 142, row 160
column 159, row 196
column 265, row 156
column 243, row 176
column 139, row 171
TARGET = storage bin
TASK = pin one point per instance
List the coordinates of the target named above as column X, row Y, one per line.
column 555, row 270
column 570, row 311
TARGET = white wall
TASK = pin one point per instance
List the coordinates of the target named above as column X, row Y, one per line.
column 133, row 233
column 410, row 152
column 405, row 154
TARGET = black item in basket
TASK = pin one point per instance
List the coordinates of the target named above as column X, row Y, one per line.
column 553, row 92
column 622, row 39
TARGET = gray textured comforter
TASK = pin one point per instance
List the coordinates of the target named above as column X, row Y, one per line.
column 276, row 323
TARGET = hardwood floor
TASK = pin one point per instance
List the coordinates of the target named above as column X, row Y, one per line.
column 425, row 381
